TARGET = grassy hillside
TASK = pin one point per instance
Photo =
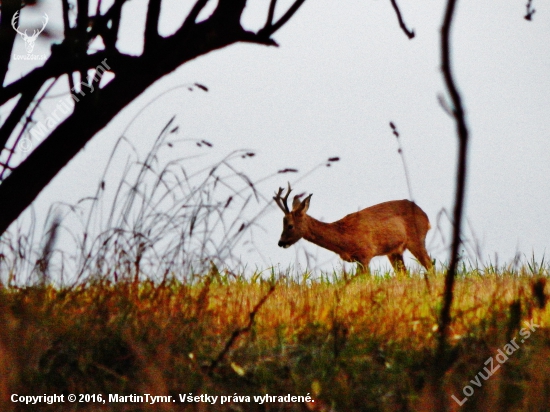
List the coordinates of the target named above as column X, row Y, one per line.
column 344, row 344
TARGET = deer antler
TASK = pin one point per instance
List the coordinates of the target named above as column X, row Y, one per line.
column 282, row 201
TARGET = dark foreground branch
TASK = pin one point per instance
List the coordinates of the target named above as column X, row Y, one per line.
column 441, row 363
column 238, row 332
column 132, row 76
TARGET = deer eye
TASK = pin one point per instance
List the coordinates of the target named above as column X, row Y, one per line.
column 291, row 226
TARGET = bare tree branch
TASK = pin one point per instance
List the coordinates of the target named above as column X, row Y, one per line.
column 151, row 25
column 82, row 15
column 268, row 30
column 66, row 21
column 409, row 33
column 441, row 363
column 107, row 25
column 16, row 114
column 192, row 16
column 270, row 13
column 58, row 64
column 132, row 76
column 66, row 34
column 27, row 120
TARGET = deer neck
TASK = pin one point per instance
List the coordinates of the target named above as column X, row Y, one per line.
column 323, row 234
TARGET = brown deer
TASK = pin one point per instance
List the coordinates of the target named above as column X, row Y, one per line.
column 388, row 228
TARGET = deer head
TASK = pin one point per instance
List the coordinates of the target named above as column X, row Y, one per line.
column 293, row 222
column 29, row 40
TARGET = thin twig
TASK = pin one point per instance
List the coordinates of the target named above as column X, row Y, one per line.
column 269, row 28
column 409, row 33
column 402, row 154
column 238, row 332
column 530, row 10
column 409, row 186
column 28, row 119
column 270, row 13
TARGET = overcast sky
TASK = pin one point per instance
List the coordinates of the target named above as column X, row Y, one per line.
column 340, row 75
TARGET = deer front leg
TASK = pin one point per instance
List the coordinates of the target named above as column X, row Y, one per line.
column 419, row 252
column 363, row 265
column 361, row 259
column 397, row 262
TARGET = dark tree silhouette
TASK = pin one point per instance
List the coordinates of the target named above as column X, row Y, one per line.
column 72, row 60
column 442, row 358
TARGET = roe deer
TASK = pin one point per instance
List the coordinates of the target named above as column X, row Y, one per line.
column 388, row 228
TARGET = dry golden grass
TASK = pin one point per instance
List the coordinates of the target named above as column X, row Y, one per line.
column 365, row 343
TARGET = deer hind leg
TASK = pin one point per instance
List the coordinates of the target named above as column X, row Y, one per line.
column 397, row 262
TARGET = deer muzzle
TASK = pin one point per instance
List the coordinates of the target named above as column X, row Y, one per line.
column 284, row 245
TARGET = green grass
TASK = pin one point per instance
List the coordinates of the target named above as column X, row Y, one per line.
column 365, row 343
column 137, row 321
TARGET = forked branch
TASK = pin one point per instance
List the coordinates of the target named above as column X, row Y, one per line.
column 131, row 75
column 271, row 27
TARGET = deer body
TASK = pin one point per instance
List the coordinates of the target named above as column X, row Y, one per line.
column 388, row 229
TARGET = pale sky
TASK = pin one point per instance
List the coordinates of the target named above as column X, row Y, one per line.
column 340, row 75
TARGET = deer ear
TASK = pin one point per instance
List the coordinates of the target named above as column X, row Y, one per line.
column 301, row 207
column 296, row 203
